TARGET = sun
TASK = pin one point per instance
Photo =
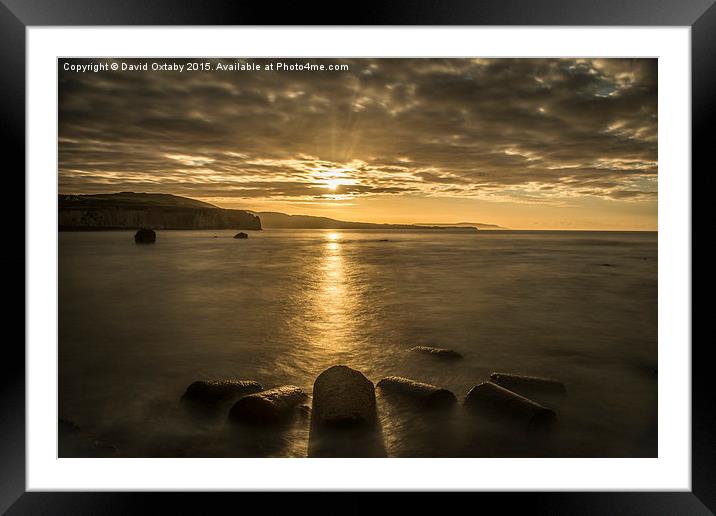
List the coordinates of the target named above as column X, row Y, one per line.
column 332, row 184
column 332, row 178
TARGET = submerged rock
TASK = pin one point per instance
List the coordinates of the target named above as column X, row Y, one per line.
column 528, row 385
column 343, row 397
column 436, row 352
column 145, row 236
column 216, row 391
column 424, row 393
column 270, row 406
column 491, row 398
column 241, row 235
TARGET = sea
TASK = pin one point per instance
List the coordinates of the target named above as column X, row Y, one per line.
column 139, row 323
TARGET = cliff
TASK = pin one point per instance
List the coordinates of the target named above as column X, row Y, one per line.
column 128, row 210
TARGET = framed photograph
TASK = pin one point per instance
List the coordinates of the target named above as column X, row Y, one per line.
column 443, row 248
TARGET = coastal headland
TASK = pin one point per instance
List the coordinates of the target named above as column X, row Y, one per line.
column 130, row 210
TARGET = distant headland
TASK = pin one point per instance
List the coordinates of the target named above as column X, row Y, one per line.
column 272, row 219
column 130, row 210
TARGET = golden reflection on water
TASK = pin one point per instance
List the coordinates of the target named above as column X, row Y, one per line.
column 335, row 300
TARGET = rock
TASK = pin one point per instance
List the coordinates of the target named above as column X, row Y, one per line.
column 215, row 391
column 343, row 397
column 528, row 385
column 241, row 235
column 270, row 406
column 344, row 421
column 436, row 352
column 491, row 398
column 424, row 393
column 145, row 236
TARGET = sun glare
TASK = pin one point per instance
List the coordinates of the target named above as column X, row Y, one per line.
column 332, row 184
column 333, row 178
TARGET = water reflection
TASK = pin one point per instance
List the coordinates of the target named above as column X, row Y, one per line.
column 319, row 303
column 335, row 300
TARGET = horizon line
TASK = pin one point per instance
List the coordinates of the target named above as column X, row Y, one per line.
column 411, row 223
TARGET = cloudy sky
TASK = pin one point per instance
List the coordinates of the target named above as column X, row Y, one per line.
column 524, row 143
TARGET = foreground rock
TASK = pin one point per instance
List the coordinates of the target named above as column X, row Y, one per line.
column 145, row 236
column 424, row 393
column 343, row 397
column 270, row 406
column 344, row 420
column 211, row 392
column 241, row 235
column 490, row 398
column 436, row 352
column 528, row 385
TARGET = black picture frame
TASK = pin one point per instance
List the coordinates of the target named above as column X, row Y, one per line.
column 17, row 15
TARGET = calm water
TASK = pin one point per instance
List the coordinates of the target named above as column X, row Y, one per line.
column 137, row 324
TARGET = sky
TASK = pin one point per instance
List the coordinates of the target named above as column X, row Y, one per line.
column 522, row 143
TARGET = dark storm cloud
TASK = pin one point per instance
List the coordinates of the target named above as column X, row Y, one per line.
column 483, row 127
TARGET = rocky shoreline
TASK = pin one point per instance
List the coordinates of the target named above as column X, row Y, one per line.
column 344, row 397
column 344, row 412
column 343, row 406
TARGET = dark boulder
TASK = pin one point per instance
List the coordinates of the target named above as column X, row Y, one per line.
column 344, row 420
column 436, row 352
column 529, row 385
column 424, row 393
column 490, row 398
column 215, row 391
column 145, row 236
column 343, row 397
column 241, row 235
column 270, row 406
